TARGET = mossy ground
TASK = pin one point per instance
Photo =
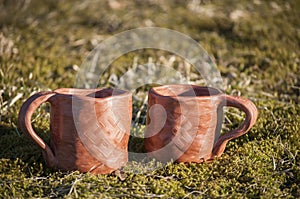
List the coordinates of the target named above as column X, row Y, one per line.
column 256, row 45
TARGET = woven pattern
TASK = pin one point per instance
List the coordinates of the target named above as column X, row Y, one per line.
column 193, row 123
column 106, row 131
column 89, row 128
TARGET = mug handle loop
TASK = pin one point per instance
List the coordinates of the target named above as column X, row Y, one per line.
column 24, row 120
column 251, row 115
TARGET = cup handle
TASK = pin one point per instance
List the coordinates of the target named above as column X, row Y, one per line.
column 251, row 115
column 24, row 120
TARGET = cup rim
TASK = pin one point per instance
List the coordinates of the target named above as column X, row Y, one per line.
column 213, row 92
column 89, row 94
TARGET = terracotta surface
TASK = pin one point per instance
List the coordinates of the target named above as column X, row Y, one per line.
column 89, row 128
column 184, row 122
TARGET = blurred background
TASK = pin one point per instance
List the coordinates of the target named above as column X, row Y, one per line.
column 252, row 42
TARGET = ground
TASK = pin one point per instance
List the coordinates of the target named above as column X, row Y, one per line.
column 255, row 45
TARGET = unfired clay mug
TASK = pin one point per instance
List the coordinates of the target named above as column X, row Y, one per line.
column 184, row 122
column 89, row 128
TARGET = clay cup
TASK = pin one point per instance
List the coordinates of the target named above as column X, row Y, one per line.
column 89, row 128
column 184, row 122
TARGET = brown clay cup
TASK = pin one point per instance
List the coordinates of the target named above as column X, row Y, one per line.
column 89, row 128
column 184, row 122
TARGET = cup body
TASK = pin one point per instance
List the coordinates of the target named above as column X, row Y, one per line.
column 183, row 122
column 89, row 128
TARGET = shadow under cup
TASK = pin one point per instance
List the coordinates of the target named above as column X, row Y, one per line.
column 184, row 122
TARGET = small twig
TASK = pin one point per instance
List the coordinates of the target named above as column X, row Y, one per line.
column 73, row 188
column 198, row 192
column 17, row 130
column 164, row 177
column 274, row 163
column 147, row 195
